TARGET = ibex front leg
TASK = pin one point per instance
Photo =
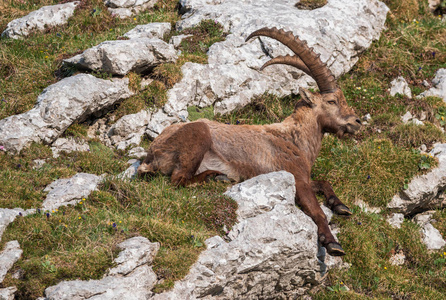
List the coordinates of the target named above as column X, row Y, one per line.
column 331, row 200
column 306, row 199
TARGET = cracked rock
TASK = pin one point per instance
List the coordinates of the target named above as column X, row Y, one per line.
column 270, row 253
column 10, row 254
column 68, row 145
column 8, row 293
column 400, row 86
column 47, row 16
column 128, row 8
column 122, row 56
column 426, row 191
column 60, row 105
column 70, row 190
column 439, row 86
column 151, row 30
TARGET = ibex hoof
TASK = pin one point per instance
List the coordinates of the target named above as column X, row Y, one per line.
column 342, row 210
column 334, row 249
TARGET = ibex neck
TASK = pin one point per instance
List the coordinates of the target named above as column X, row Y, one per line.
column 306, row 133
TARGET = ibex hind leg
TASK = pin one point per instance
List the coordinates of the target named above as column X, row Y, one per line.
column 331, row 200
column 193, row 140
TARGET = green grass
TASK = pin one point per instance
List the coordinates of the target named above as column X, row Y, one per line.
column 373, row 166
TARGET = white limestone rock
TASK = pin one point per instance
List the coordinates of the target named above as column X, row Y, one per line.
column 135, row 252
column 46, row 16
column 395, row 220
column 61, row 104
column 439, row 86
column 432, row 237
column 406, row 117
column 8, row 257
column 129, row 129
column 137, row 152
column 399, row 86
column 68, row 145
column 398, row 259
column 70, row 190
column 159, row 121
column 270, row 253
column 339, row 31
column 127, row 8
column 132, row 278
column 367, row 208
column 8, row 215
column 151, row 30
column 425, row 191
column 122, row 56
column 177, row 39
column 8, row 293
column 131, row 171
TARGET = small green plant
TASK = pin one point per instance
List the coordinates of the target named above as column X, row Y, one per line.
column 337, row 288
column 425, row 162
column 441, row 115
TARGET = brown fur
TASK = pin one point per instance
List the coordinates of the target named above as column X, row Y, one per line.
column 190, row 152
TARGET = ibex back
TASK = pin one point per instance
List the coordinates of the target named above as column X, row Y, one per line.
column 190, row 152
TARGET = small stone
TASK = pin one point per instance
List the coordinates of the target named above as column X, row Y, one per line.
column 395, row 220
column 151, row 30
column 423, row 148
column 177, row 39
column 38, row 163
column 407, row 117
column 366, row 208
column 398, row 259
column 400, row 86
column 137, row 152
column 367, row 117
column 8, row 293
column 439, row 86
column 10, row 254
column 432, row 237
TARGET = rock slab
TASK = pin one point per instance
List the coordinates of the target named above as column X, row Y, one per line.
column 151, row 30
column 46, row 16
column 132, row 278
column 439, row 86
column 70, row 190
column 426, row 191
column 271, row 253
column 8, row 257
column 61, row 104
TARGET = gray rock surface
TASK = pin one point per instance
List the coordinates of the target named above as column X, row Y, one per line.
column 8, row 215
column 129, row 129
column 135, row 252
column 131, row 171
column 432, row 237
column 439, row 86
column 9, row 255
column 138, row 152
column 128, row 8
column 151, row 30
column 395, row 220
column 270, row 253
column 161, row 120
column 46, row 16
column 68, row 145
column 7, row 293
column 177, row 39
column 398, row 259
column 70, row 190
column 399, row 86
column 339, row 31
column 122, row 56
column 425, row 191
column 132, row 278
column 61, row 104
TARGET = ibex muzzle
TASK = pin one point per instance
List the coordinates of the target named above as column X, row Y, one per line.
column 190, row 152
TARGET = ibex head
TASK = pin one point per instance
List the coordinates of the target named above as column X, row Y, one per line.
column 329, row 106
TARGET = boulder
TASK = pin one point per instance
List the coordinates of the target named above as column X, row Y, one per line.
column 339, row 31
column 132, row 278
column 151, row 30
column 46, row 16
column 122, row 56
column 70, row 190
column 8, row 293
column 68, row 145
column 159, row 121
column 127, row 8
column 10, row 254
column 270, row 253
column 60, row 105
column 439, row 86
column 426, row 191
column 399, row 86
column 129, row 129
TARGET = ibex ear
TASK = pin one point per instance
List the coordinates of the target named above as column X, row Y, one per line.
column 307, row 96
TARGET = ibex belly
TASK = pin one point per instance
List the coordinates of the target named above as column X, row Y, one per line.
column 212, row 161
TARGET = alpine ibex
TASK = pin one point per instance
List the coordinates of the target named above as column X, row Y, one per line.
column 189, row 152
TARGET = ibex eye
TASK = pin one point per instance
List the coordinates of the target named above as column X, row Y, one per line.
column 331, row 102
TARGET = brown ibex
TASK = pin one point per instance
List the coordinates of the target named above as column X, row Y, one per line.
column 189, row 152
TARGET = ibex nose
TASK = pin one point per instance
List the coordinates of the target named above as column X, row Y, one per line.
column 358, row 121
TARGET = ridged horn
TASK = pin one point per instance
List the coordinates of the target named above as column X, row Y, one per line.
column 288, row 60
column 317, row 69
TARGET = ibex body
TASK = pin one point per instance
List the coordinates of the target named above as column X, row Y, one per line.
column 189, row 152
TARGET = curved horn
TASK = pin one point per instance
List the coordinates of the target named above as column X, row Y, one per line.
column 318, row 70
column 288, row 60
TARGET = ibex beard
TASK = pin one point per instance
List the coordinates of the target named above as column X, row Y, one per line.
column 191, row 152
